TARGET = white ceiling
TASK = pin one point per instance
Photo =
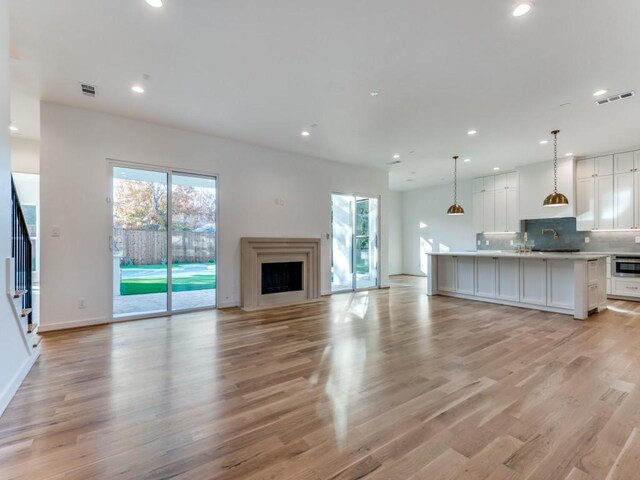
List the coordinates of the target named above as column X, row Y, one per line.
column 263, row 71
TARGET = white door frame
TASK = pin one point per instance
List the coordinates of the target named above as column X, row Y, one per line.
column 354, row 282
column 111, row 163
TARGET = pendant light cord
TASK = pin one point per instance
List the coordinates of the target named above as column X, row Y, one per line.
column 455, row 180
column 555, row 162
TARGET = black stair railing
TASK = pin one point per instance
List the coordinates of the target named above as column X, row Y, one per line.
column 21, row 252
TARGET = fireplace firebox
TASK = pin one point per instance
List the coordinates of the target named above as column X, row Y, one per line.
column 278, row 277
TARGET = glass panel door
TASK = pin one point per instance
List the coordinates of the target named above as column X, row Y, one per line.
column 342, row 209
column 354, row 222
column 193, row 241
column 366, row 242
column 139, row 241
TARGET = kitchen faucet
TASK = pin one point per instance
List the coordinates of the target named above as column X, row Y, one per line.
column 555, row 234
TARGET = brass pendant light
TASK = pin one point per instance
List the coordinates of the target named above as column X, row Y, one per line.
column 455, row 209
column 555, row 199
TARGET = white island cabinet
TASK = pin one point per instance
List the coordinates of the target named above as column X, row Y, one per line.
column 574, row 284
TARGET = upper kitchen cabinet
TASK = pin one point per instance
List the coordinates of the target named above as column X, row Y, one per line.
column 495, row 203
column 608, row 192
column 594, row 167
column 595, row 193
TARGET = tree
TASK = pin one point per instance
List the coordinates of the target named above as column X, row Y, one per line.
column 140, row 205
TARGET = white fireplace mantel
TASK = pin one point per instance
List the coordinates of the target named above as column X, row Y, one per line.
column 258, row 250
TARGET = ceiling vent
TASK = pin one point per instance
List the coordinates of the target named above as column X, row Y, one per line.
column 88, row 90
column 613, row 98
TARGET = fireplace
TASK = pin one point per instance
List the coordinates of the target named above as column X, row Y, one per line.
column 278, row 277
column 279, row 271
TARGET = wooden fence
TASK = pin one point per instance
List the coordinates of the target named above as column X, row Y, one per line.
column 149, row 247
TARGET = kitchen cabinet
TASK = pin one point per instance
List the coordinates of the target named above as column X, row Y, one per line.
column 626, row 190
column 625, row 287
column 465, row 275
column 585, row 203
column 570, row 284
column 533, row 281
column 560, row 289
column 624, row 201
column 447, row 274
column 595, row 199
column 508, row 281
column 456, row 274
column 496, row 203
column 608, row 192
column 485, row 277
column 604, row 202
column 488, row 206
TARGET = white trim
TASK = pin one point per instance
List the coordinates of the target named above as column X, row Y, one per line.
column 7, row 395
column 170, row 171
column 528, row 306
column 52, row 327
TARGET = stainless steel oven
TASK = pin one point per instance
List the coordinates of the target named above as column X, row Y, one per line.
column 625, row 266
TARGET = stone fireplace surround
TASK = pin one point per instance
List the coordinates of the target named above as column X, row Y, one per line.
column 258, row 250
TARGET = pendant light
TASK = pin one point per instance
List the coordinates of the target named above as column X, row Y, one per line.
column 555, row 199
column 455, row 209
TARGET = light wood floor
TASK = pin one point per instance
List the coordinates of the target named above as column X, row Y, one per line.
column 376, row 385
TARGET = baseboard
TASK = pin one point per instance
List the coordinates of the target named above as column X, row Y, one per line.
column 88, row 322
column 14, row 385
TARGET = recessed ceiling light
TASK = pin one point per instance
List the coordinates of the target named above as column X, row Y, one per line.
column 472, row 132
column 467, row 160
column 305, row 134
column 396, row 156
column 13, row 128
column 522, row 9
column 496, row 168
column 155, row 3
column 570, row 154
column 597, row 93
column 544, row 142
column 375, row 93
column 137, row 89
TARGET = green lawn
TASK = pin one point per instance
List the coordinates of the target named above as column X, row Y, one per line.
column 197, row 280
column 139, row 286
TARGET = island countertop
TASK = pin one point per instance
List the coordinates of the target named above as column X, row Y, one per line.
column 508, row 254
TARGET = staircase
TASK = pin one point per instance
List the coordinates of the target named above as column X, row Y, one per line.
column 18, row 271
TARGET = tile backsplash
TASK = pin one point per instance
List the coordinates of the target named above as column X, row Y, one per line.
column 569, row 237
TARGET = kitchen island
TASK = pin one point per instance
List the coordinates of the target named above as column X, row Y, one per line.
column 569, row 283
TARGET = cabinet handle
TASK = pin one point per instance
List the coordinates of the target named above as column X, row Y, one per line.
column 631, row 288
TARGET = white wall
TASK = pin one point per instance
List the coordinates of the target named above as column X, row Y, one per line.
column 14, row 357
column 25, row 155
column 396, row 226
column 427, row 227
column 75, row 145
column 536, row 182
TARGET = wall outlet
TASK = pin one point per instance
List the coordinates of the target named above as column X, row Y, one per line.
column 637, row 239
column 55, row 231
column 587, row 239
column 81, row 303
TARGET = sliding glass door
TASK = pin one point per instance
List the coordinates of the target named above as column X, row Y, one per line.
column 193, row 241
column 163, row 241
column 354, row 223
